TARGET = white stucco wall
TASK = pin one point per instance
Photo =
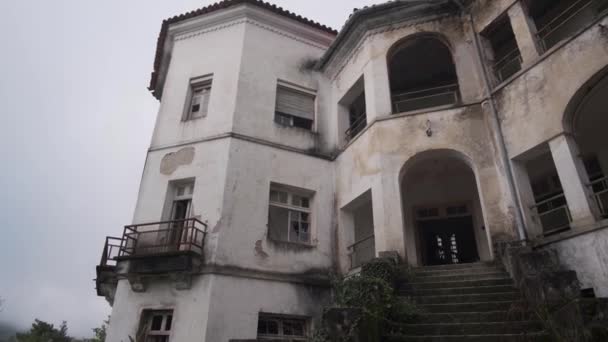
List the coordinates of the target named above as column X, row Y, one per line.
column 244, row 232
column 190, row 309
column 239, row 151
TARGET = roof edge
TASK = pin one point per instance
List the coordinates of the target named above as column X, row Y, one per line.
column 162, row 37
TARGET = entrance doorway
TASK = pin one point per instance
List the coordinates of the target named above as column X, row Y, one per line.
column 443, row 218
column 448, row 241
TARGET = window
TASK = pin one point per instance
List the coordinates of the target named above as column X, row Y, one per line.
column 181, row 200
column 505, row 56
column 198, row 100
column 294, row 107
column 156, row 326
column 281, row 328
column 289, row 215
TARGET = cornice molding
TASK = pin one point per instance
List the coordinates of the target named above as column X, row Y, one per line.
column 340, row 60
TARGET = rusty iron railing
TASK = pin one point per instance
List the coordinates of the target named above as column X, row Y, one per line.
column 565, row 22
column 356, row 127
column 508, row 65
column 600, row 192
column 362, row 251
column 425, row 98
column 156, row 238
column 111, row 250
column 553, row 213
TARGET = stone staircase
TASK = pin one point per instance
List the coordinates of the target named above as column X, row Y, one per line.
column 467, row 302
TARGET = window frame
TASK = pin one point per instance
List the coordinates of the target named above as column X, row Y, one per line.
column 281, row 116
column 290, row 207
column 195, row 84
column 281, row 320
column 147, row 320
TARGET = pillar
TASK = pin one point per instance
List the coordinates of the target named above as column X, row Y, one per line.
column 526, row 198
column 377, row 88
column 574, row 179
column 525, row 33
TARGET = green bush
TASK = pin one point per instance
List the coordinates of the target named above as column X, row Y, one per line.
column 384, row 269
column 373, row 295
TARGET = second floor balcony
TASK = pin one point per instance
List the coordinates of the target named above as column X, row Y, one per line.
column 152, row 249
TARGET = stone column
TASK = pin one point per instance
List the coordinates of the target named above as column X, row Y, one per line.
column 525, row 33
column 526, row 197
column 377, row 88
column 574, row 179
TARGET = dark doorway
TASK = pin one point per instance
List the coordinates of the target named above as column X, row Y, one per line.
column 448, row 241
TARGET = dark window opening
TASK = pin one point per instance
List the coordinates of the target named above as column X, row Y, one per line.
column 357, row 118
column 292, row 121
column 505, row 56
column 155, row 326
column 281, row 328
column 422, row 75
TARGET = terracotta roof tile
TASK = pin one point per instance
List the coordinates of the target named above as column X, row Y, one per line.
column 218, row 6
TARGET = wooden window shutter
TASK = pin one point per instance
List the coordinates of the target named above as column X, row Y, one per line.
column 295, row 103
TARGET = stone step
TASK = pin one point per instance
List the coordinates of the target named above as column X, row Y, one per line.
column 457, row 266
column 532, row 337
column 473, row 307
column 459, row 277
column 473, row 317
column 465, row 271
column 467, row 298
column 492, row 328
column 427, row 285
column 459, row 290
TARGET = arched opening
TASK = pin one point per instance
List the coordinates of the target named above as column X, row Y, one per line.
column 443, row 218
column 588, row 123
column 422, row 74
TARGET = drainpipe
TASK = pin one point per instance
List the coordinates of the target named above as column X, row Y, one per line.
column 519, row 213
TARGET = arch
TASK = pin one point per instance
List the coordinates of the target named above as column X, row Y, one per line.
column 442, row 180
column 586, row 120
column 422, row 73
column 583, row 94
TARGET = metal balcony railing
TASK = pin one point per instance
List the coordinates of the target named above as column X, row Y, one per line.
column 508, row 65
column 425, row 98
column 157, row 238
column 553, row 214
column 111, row 250
column 600, row 191
column 356, row 127
column 362, row 251
column 569, row 21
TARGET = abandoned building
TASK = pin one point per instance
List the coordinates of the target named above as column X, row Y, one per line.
column 285, row 151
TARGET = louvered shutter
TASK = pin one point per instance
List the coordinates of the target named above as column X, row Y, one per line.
column 295, row 103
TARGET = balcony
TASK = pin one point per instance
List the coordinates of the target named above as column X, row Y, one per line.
column 508, row 65
column 168, row 248
column 600, row 192
column 356, row 126
column 553, row 214
column 566, row 18
column 425, row 98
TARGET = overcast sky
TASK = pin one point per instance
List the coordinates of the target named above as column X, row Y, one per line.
column 75, row 122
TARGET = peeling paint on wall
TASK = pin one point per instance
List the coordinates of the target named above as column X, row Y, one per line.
column 172, row 161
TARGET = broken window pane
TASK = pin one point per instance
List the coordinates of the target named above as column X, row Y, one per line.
column 157, row 322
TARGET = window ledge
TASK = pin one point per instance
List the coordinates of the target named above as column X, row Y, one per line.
column 570, row 234
column 427, row 110
column 292, row 245
column 303, row 130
